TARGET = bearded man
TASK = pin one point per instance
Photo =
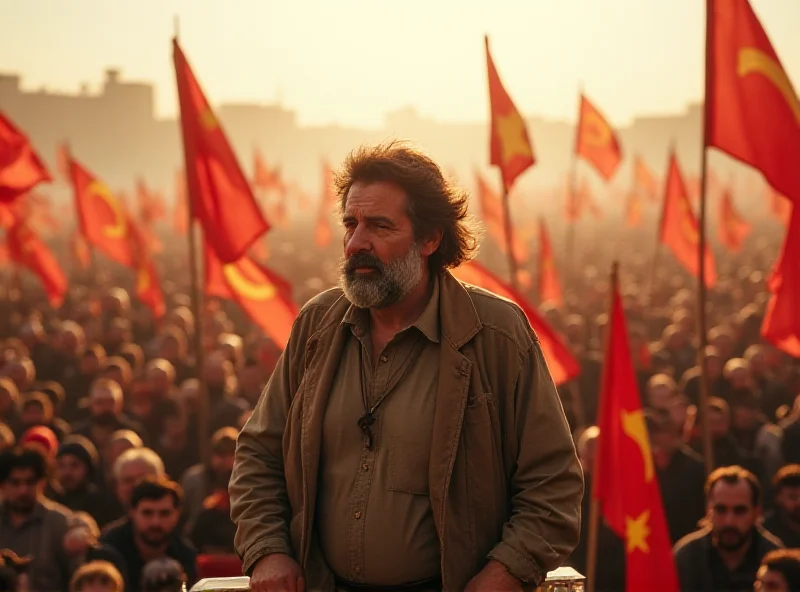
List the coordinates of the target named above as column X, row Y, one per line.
column 410, row 437
column 726, row 553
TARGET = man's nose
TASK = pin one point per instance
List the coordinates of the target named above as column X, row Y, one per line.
column 358, row 242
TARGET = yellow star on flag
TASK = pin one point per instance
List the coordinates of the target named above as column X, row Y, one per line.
column 636, row 532
column 208, row 120
column 511, row 131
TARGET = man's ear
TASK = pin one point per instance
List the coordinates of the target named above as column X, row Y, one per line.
column 430, row 244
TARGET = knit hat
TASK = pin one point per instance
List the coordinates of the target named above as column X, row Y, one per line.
column 41, row 436
column 82, row 449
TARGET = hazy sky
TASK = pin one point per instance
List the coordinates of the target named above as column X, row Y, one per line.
column 351, row 61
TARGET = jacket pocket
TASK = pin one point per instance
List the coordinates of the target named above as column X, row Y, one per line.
column 408, row 466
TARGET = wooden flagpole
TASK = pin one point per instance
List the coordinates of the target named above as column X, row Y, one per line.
column 203, row 437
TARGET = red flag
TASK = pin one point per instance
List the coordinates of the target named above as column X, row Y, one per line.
column 80, row 251
column 21, row 169
column 102, row 218
column 323, row 231
column 633, row 210
column 596, row 140
column 752, row 110
column 264, row 295
column 493, row 216
column 151, row 204
column 563, row 366
column 626, row 485
column 510, row 146
column 148, row 286
column 221, row 197
column 549, row 284
column 733, row 229
column 679, row 227
column 781, row 325
column 644, row 179
column 27, row 249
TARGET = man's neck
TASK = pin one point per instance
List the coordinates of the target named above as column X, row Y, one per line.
column 733, row 559
column 395, row 318
column 148, row 552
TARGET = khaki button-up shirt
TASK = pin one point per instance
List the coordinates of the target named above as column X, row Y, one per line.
column 374, row 515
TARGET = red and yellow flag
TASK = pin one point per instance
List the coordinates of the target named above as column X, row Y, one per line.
column 679, row 227
column 222, row 199
column 510, row 144
column 264, row 295
column 322, row 230
column 103, row 220
column 549, row 284
column 781, row 325
column 752, row 112
column 493, row 216
column 561, row 363
column 25, row 248
column 148, row 286
column 596, row 140
column 625, row 480
column 644, row 180
column 733, row 228
column 21, row 169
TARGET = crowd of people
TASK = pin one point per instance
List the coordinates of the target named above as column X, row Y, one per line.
column 103, row 488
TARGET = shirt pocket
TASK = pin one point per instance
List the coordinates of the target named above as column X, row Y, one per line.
column 408, row 466
column 477, row 410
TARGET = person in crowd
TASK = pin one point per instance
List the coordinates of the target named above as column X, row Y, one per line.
column 106, row 414
column 120, row 441
column 82, row 543
column 30, row 524
column 458, row 433
column 151, row 530
column 9, row 405
column 681, row 475
column 78, row 383
column 175, row 446
column 36, row 409
column 76, row 470
column 206, row 479
column 97, row 576
column 784, row 522
column 7, row 438
column 129, row 469
column 163, row 575
column 725, row 554
column 779, row 571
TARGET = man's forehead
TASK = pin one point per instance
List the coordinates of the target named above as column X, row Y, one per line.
column 731, row 493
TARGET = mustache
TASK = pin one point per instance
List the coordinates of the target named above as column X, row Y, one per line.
column 361, row 260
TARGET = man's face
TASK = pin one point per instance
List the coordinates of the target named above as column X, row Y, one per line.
column 131, row 474
column 71, row 472
column 158, row 380
column 155, row 520
column 714, row 366
column 732, row 514
column 788, row 500
column 718, row 424
column 103, row 405
column 5, row 401
column 33, row 415
column 382, row 260
column 222, row 464
column 21, row 490
column 89, row 364
column 768, row 580
column 659, row 396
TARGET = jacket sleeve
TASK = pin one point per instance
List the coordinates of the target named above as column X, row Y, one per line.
column 546, row 486
column 259, row 503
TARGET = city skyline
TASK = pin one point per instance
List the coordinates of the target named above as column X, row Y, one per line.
column 651, row 65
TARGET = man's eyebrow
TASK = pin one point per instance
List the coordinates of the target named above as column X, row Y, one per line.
column 370, row 219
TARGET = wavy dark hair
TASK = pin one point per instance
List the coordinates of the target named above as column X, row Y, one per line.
column 434, row 203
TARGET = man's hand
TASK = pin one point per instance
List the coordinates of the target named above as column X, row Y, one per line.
column 494, row 577
column 277, row 573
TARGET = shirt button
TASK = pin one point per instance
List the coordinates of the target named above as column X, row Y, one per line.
column 365, row 467
column 357, row 569
column 384, row 358
column 357, row 515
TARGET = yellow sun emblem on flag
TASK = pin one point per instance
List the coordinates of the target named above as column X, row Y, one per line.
column 208, row 119
column 245, row 286
column 513, row 138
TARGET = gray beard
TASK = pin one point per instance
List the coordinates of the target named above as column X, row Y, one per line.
column 385, row 286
